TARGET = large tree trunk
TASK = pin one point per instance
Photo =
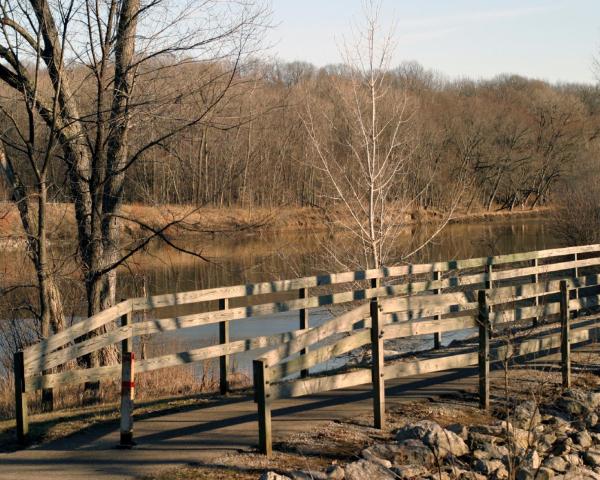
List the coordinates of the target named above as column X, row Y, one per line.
column 51, row 313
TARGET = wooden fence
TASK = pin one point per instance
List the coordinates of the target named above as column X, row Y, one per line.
column 402, row 301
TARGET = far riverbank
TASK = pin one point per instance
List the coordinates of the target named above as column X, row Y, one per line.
column 231, row 222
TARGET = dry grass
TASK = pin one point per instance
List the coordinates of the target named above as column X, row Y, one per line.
column 211, row 221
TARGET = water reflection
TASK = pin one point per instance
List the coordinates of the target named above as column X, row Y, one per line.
column 262, row 258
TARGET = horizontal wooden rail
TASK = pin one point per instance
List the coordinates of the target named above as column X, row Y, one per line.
column 418, row 306
column 183, row 298
column 319, row 355
column 60, row 348
column 582, row 332
column 77, row 330
column 340, row 324
column 165, row 361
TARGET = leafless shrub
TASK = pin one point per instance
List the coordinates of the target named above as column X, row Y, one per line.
column 577, row 217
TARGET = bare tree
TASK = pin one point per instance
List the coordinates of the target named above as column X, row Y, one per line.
column 365, row 142
column 94, row 57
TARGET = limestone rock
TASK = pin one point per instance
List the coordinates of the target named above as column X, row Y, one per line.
column 558, row 464
column 487, row 467
column 461, row 430
column 583, row 439
column 363, row 469
column 591, row 420
column 527, row 415
column 406, row 472
column 531, row 459
column 335, row 472
column 525, row 474
column 308, row 475
column 581, row 474
column 544, row 473
column 273, row 476
column 413, row 452
column 558, row 426
column 574, row 460
column 443, row 442
column 592, row 458
column 367, row 454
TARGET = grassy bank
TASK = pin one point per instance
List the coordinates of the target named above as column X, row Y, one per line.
column 220, row 221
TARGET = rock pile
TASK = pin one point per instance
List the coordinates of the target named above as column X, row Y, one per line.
column 557, row 441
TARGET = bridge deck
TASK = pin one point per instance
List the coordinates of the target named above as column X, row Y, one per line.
column 200, row 434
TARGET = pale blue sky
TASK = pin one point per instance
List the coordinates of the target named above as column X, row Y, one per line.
column 553, row 40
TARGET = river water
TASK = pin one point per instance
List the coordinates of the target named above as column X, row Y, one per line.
column 262, row 258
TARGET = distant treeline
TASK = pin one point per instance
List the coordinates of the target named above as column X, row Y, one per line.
column 512, row 139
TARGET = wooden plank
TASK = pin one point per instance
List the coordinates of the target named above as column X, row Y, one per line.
column 75, row 331
column 551, row 267
column 182, row 298
column 214, row 351
column 276, row 286
column 59, row 357
column 21, row 413
column 423, row 327
column 322, row 354
column 157, row 363
column 484, row 350
column 309, row 386
column 206, row 318
column 340, row 324
column 582, row 302
column 37, row 382
column 437, row 336
column 303, row 317
column 223, row 340
column 523, row 313
column 263, row 401
column 127, row 343
column 536, row 281
column 531, row 290
column 438, row 364
column 427, row 305
column 377, row 365
column 565, row 344
column 541, row 344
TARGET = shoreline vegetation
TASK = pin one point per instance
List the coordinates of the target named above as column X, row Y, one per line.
column 232, row 222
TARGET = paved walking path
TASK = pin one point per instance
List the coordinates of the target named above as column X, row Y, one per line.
column 206, row 432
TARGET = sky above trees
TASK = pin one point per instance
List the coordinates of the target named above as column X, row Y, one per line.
column 553, row 40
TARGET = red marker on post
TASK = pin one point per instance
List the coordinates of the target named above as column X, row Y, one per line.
column 127, row 400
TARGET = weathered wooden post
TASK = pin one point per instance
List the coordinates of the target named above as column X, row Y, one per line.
column 489, row 284
column 302, row 294
column 261, row 396
column 565, row 342
column 484, row 350
column 223, row 359
column 21, row 413
column 127, row 387
column 437, row 336
column 576, row 273
column 374, row 283
column 377, row 366
column 489, row 276
column 536, row 279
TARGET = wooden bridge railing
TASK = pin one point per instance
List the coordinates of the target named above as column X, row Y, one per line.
column 446, row 285
column 493, row 310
